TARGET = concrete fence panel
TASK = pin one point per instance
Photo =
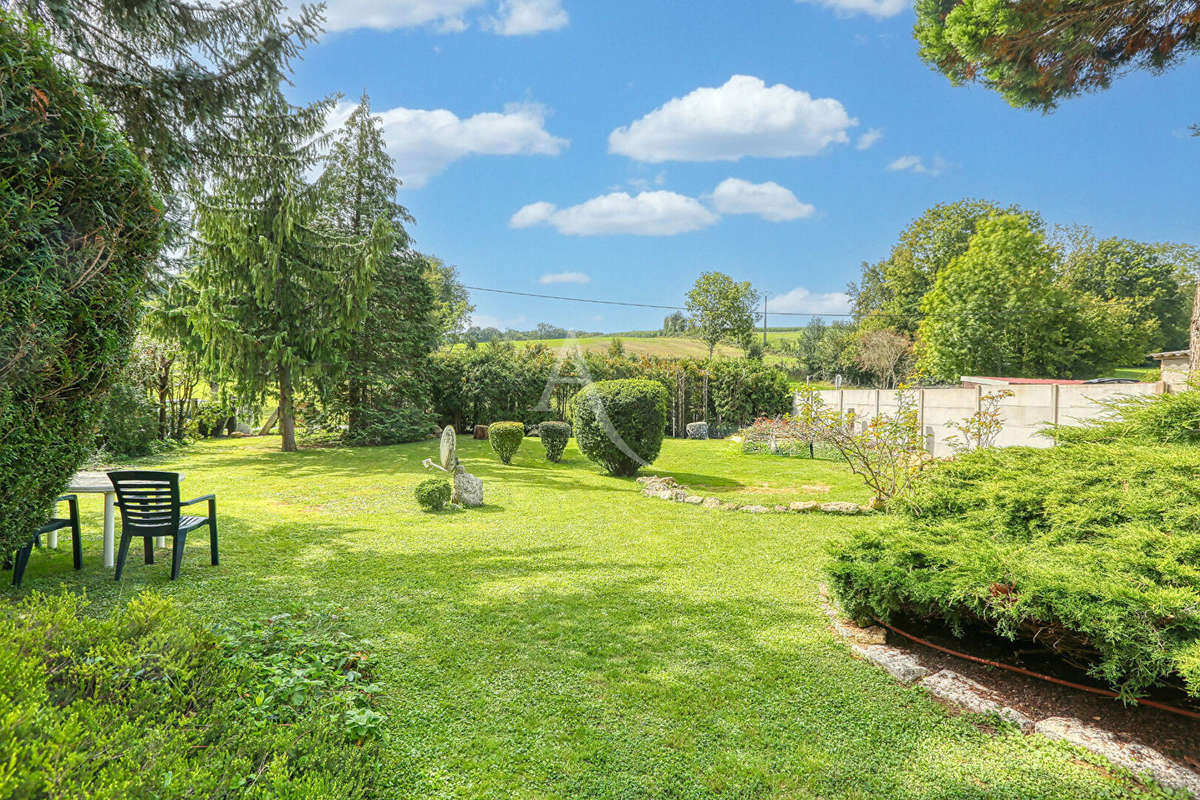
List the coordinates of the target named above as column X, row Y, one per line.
column 1029, row 411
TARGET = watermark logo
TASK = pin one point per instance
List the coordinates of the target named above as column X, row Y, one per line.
column 582, row 378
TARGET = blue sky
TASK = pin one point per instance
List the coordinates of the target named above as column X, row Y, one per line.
column 616, row 150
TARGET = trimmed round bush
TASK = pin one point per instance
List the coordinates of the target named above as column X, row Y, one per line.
column 80, row 228
column 620, row 424
column 433, row 494
column 506, row 438
column 554, row 438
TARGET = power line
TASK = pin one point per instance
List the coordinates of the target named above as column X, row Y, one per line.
column 627, row 304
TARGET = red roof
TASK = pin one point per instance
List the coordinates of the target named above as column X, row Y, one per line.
column 1046, row 381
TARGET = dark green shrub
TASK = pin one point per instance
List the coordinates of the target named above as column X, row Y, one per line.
column 554, row 439
column 506, row 438
column 80, row 228
column 389, row 423
column 433, row 494
column 174, row 709
column 1092, row 550
column 620, row 424
column 128, row 424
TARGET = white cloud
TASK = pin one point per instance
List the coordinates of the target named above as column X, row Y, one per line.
column 524, row 17
column 917, row 164
column 768, row 200
column 802, row 301
column 646, row 214
column 532, row 214
column 745, row 117
column 511, row 17
column 425, row 142
column 490, row 321
column 868, row 138
column 387, row 15
column 565, row 277
column 876, row 8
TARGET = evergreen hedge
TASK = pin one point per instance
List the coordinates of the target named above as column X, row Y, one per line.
column 554, row 438
column 1092, row 550
column 79, row 230
column 620, row 424
column 506, row 438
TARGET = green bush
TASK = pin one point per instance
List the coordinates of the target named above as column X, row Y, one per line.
column 146, row 702
column 620, row 424
column 128, row 424
column 433, row 494
column 1166, row 419
column 80, row 228
column 1092, row 550
column 554, row 439
column 506, row 438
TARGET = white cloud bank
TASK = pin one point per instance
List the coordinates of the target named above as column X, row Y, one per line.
column 745, row 117
column 644, row 214
column 876, row 8
column 565, row 277
column 425, row 142
column 802, row 301
column 509, row 17
column 911, row 163
column 663, row 213
column 768, row 200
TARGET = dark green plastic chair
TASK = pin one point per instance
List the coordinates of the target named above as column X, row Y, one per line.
column 22, row 558
column 150, row 507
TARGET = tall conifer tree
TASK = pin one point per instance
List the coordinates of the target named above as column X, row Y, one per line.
column 280, row 295
column 385, row 390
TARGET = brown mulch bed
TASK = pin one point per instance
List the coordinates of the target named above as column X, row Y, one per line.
column 1173, row 735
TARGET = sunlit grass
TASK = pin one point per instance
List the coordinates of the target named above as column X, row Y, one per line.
column 574, row 639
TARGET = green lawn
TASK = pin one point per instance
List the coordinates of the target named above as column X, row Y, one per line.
column 574, row 639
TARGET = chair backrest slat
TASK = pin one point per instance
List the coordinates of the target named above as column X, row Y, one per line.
column 149, row 501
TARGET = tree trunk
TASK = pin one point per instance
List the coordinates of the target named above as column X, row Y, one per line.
column 355, row 392
column 1194, row 339
column 287, row 411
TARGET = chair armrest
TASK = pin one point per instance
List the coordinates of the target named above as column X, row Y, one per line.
column 193, row 501
column 66, row 498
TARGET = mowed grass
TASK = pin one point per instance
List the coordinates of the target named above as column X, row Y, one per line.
column 574, row 639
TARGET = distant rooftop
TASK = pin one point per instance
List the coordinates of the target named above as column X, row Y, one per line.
column 988, row 381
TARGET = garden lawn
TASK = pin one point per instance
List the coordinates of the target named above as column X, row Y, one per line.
column 574, row 639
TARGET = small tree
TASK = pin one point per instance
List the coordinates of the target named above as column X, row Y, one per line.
column 886, row 451
column 722, row 310
column 980, row 430
column 881, row 353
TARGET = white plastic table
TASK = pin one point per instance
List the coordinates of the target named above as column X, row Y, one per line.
column 98, row 483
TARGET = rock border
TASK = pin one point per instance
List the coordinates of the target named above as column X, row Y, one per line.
column 666, row 488
column 965, row 695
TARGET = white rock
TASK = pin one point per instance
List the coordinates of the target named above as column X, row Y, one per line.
column 711, row 502
column 468, row 490
column 754, row 509
column 1136, row 758
column 808, row 505
column 840, row 508
column 961, row 691
column 899, row 665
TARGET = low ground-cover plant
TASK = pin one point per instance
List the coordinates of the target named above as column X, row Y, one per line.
column 433, row 494
column 554, row 438
column 1092, row 550
column 147, row 702
column 506, row 438
column 1166, row 419
column 620, row 424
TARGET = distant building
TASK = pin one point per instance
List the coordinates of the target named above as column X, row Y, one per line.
column 972, row 381
column 1175, row 367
